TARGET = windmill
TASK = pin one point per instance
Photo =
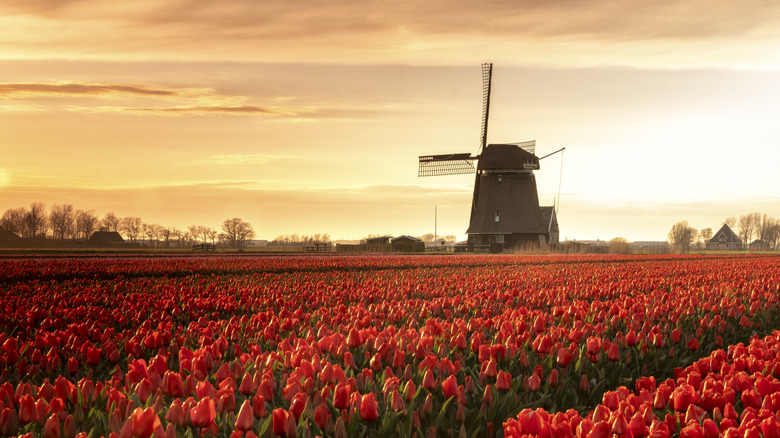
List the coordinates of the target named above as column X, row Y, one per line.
column 505, row 211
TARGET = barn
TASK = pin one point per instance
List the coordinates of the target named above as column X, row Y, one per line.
column 725, row 240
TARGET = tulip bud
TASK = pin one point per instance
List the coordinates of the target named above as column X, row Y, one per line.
column 427, row 405
column 487, row 396
column 534, row 383
column 340, row 430
column 584, row 384
column 245, row 419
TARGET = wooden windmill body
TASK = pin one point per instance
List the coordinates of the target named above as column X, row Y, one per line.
column 505, row 211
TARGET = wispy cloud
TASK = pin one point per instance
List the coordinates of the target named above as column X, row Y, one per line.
column 25, row 90
column 164, row 101
column 222, row 109
column 405, row 31
column 234, row 159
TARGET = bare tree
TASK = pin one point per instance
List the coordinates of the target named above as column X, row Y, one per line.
column 178, row 234
column 321, row 237
column 210, row 234
column 769, row 231
column 13, row 221
column 450, row 238
column 749, row 225
column 36, row 219
column 110, row 222
column 428, row 237
column 705, row 234
column 730, row 221
column 62, row 221
column 195, row 232
column 237, row 232
column 164, row 234
column 618, row 245
column 131, row 227
column 86, row 223
column 150, row 230
column 681, row 235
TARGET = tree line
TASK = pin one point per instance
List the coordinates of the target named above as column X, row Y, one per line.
column 748, row 227
column 62, row 222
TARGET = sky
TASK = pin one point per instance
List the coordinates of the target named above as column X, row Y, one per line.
column 308, row 117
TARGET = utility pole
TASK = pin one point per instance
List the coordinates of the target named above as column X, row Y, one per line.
column 435, row 222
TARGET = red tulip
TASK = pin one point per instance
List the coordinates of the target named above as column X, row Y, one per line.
column 145, row 422
column 341, row 396
column 298, row 404
column 9, row 422
column 27, row 410
column 631, row 338
column 504, row 381
column 530, row 422
column 69, row 426
column 258, row 406
column 611, row 399
column 322, row 416
column 176, row 413
column 52, row 427
column 279, row 419
column 594, row 345
column 203, row 414
column 369, row 408
column 449, row 387
column 534, row 383
column 245, row 419
column 564, row 357
column 554, row 377
column 711, row 430
column 353, row 340
column 614, row 352
column 584, row 384
column 682, row 397
column 93, row 355
column 693, row 430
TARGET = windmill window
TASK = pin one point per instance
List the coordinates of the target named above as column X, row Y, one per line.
column 498, row 215
column 500, row 178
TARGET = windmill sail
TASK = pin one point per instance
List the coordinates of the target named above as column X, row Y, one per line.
column 487, row 80
column 448, row 164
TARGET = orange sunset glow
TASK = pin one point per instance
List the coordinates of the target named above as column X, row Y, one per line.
column 308, row 117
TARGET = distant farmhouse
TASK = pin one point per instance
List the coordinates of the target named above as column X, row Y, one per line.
column 9, row 239
column 105, row 239
column 407, row 244
column 725, row 240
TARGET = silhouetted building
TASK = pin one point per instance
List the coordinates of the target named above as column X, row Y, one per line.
column 9, row 239
column 725, row 240
column 759, row 245
column 407, row 244
column 105, row 238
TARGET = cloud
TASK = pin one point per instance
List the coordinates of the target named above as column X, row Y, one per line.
column 407, row 31
column 22, row 90
column 221, row 109
column 180, row 101
column 233, row 159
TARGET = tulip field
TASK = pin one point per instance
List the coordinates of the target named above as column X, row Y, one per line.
column 390, row 346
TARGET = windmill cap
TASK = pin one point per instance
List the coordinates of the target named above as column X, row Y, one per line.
column 506, row 156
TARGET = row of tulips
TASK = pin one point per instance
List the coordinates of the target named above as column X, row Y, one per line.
column 22, row 267
column 444, row 348
column 730, row 393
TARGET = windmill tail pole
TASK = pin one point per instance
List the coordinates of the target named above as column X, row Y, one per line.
column 552, row 153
